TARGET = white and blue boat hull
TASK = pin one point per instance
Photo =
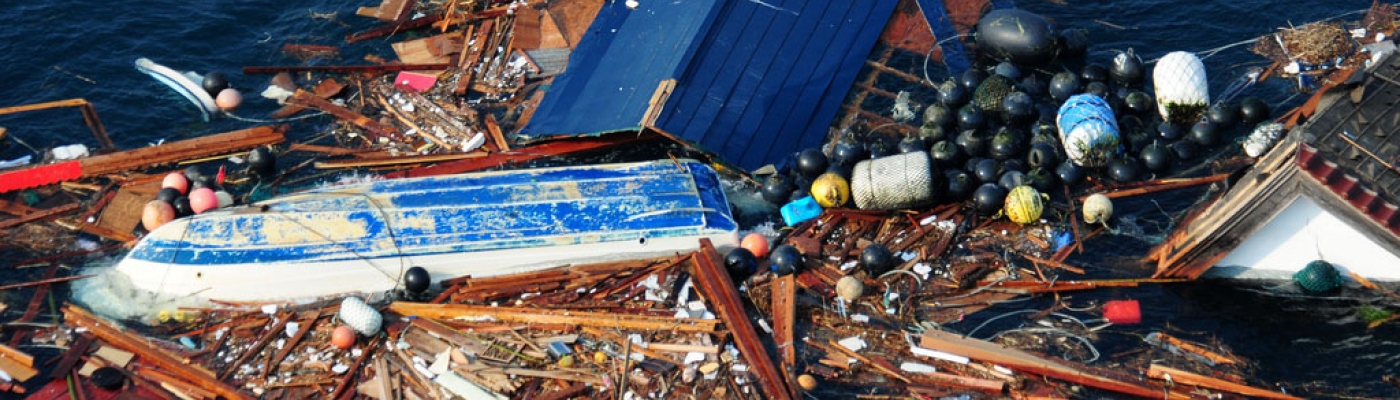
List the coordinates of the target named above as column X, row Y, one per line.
column 361, row 238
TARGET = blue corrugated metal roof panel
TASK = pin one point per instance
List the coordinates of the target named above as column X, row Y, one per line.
column 766, row 77
column 617, row 65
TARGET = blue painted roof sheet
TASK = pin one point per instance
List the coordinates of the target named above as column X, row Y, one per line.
column 756, row 80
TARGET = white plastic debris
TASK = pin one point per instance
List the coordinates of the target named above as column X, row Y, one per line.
column 1262, row 139
column 853, row 343
column 292, row 328
column 339, row 368
column 269, row 309
column 930, row 353
column 910, row 366
column 693, row 357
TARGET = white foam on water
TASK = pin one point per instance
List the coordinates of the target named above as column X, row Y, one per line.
column 110, row 294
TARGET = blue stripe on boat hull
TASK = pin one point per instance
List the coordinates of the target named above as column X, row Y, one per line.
column 454, row 214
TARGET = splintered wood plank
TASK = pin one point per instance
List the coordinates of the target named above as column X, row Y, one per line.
column 1016, row 359
column 124, row 212
column 574, row 17
column 526, row 33
column 550, row 316
column 438, row 49
column 550, row 35
column 714, row 283
column 785, row 317
column 389, row 10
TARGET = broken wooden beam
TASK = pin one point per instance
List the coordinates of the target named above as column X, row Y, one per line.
column 149, row 353
column 538, row 315
column 399, row 160
column 345, row 69
column 394, row 11
column 373, row 128
column 784, row 306
column 1177, row 376
column 416, row 23
column 325, row 89
column 522, row 154
column 714, row 283
column 41, row 282
column 1020, row 360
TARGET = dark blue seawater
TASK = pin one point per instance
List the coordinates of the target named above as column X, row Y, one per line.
column 1313, row 346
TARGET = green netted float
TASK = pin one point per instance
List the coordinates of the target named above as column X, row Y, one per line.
column 1318, row 276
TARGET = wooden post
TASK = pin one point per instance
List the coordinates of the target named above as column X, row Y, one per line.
column 714, row 283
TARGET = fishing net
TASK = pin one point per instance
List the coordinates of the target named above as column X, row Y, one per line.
column 992, row 92
column 893, row 182
column 1088, row 130
column 1179, row 79
column 1314, row 43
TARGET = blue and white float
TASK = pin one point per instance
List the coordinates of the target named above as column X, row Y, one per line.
column 361, row 238
column 1088, row 130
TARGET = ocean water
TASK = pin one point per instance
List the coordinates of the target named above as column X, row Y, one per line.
column 1313, row 346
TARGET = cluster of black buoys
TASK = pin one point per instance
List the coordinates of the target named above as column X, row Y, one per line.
column 994, row 126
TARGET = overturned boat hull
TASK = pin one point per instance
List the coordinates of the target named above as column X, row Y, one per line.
column 361, row 238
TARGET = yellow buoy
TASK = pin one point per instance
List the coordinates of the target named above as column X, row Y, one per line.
column 1098, row 208
column 831, row 190
column 1024, row 205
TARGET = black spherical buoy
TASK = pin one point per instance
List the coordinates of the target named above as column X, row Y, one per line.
column 953, row 94
column 876, row 259
column 987, row 170
column 1139, row 102
column 107, row 378
column 1127, row 69
column 1018, row 36
column 971, row 117
column 971, row 79
column 1042, row 179
column 1253, row 110
column 1098, row 88
column 939, row 115
column 1014, row 164
column 1018, row 108
column 933, row 133
column 417, row 280
column 811, row 163
column 1063, row 85
column 1034, row 85
column 1156, row 157
column 1011, row 179
column 741, row 263
column 989, row 198
column 848, row 152
column 960, row 184
column 215, row 82
column 1205, row 133
column 1042, row 155
column 182, row 207
column 776, row 189
column 1070, row 173
column 1224, row 115
column 1074, row 42
column 206, row 181
column 1006, row 144
column 1123, row 169
column 1185, row 149
column 785, row 259
column 1170, row 131
column 168, row 195
column 1045, row 128
column 880, row 146
column 262, row 161
column 1007, row 69
column 972, row 143
column 945, row 153
column 1094, row 73
column 1133, row 132
column 910, row 144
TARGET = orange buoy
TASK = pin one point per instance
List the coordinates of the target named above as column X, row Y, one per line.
column 755, row 243
column 343, row 337
column 176, row 180
column 228, row 99
column 203, row 199
column 156, row 213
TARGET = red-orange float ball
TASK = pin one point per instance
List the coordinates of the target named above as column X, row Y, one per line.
column 343, row 337
column 755, row 243
column 156, row 213
column 228, row 99
column 203, row 199
column 176, row 180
